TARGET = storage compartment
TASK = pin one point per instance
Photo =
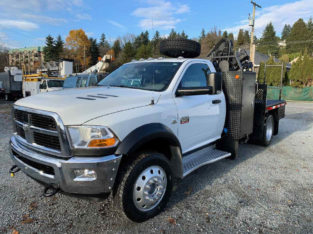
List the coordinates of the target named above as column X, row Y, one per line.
column 239, row 88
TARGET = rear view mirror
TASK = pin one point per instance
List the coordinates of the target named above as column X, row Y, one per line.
column 193, row 91
column 215, row 81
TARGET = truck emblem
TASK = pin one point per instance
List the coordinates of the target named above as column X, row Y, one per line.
column 184, row 120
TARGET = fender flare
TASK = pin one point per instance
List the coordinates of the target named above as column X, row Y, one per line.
column 147, row 133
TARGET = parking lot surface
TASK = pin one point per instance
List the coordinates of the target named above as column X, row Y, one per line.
column 267, row 189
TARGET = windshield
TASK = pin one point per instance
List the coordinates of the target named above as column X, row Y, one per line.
column 55, row 83
column 155, row 76
column 70, row 82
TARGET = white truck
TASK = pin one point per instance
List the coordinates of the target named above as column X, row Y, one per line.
column 148, row 123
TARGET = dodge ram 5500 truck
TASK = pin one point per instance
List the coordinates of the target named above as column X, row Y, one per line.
column 149, row 122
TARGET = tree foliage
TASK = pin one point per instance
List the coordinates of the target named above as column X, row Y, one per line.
column 104, row 45
column 297, row 40
column 286, row 31
column 301, row 73
column 79, row 45
column 93, row 51
column 268, row 43
column 49, row 49
column 273, row 74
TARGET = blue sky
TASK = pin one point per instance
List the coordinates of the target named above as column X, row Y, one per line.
column 28, row 22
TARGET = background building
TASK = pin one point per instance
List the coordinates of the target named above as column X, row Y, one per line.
column 28, row 59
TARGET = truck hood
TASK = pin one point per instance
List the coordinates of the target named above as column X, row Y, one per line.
column 77, row 106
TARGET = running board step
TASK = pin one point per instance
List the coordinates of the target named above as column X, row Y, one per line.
column 202, row 157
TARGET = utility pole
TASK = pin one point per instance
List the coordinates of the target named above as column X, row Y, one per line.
column 84, row 58
column 251, row 23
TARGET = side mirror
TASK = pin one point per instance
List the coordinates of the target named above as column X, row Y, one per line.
column 194, row 91
column 215, row 81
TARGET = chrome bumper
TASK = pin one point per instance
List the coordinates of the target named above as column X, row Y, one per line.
column 60, row 172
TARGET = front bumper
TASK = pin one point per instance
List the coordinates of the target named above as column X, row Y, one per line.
column 59, row 173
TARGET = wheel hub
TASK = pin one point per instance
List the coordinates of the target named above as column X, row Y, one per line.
column 149, row 188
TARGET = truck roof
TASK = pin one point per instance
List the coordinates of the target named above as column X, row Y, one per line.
column 162, row 59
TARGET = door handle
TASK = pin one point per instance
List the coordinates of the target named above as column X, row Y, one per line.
column 217, row 101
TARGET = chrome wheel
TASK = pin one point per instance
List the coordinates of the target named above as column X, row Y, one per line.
column 269, row 128
column 149, row 188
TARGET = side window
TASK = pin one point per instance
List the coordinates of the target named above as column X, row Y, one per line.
column 195, row 76
column 93, row 81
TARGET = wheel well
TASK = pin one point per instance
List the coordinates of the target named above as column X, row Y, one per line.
column 156, row 145
column 160, row 145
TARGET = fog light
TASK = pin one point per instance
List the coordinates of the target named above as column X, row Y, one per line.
column 85, row 175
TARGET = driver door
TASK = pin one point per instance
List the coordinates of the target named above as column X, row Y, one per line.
column 198, row 117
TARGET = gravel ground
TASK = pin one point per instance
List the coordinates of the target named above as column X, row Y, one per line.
column 266, row 190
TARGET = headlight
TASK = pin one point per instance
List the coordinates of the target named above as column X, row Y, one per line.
column 91, row 137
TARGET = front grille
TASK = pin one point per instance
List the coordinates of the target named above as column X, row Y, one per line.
column 42, row 121
column 20, row 131
column 21, row 116
column 37, row 120
column 38, row 129
column 48, row 141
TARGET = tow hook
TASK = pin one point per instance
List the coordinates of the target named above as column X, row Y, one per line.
column 14, row 169
column 50, row 191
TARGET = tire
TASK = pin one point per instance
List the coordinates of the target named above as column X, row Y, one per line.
column 180, row 47
column 148, row 177
column 268, row 130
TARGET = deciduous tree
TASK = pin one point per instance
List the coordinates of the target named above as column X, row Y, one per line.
column 79, row 45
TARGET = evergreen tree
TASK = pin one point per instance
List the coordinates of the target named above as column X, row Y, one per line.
column 286, row 31
column 144, row 51
column 298, row 38
column 142, row 39
column 273, row 74
column 173, row 34
column 202, row 34
column 156, row 43
column 128, row 52
column 49, row 49
column 268, row 44
column 94, row 51
column 59, row 47
column 225, row 34
column 240, row 38
column 301, row 73
column 231, row 37
column 184, row 35
column 247, row 37
column 104, row 45
column 117, row 48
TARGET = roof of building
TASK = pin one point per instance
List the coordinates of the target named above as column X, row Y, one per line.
column 262, row 58
column 36, row 48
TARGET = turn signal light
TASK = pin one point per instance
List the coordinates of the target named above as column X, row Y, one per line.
column 237, row 77
column 102, row 142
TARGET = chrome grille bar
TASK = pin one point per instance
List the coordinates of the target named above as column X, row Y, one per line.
column 48, row 137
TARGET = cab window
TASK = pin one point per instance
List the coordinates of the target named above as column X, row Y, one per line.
column 195, row 76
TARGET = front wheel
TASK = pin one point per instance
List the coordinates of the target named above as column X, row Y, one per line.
column 268, row 130
column 145, row 187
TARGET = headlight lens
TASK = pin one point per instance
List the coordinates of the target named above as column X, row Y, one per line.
column 92, row 137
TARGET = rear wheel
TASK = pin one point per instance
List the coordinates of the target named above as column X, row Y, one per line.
column 268, row 130
column 145, row 187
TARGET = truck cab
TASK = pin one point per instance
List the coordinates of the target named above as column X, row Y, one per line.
column 146, row 124
column 48, row 85
column 81, row 81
